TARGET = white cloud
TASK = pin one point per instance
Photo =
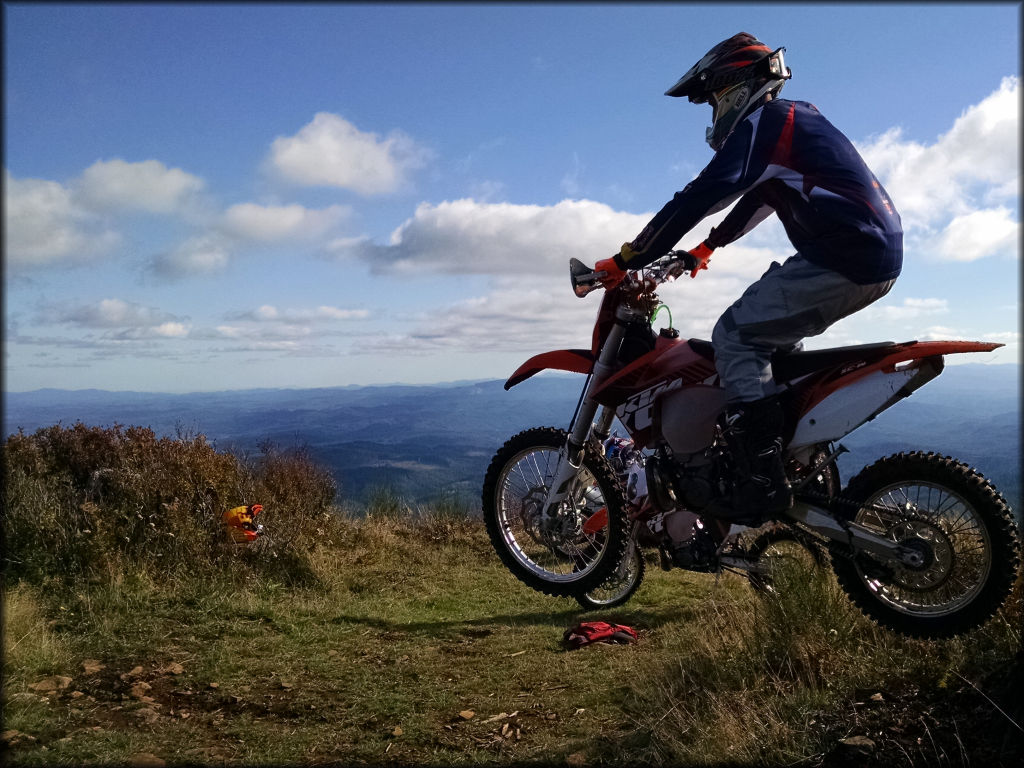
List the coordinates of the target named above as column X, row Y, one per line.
column 959, row 202
column 109, row 313
column 531, row 315
column 203, row 254
column 951, row 193
column 269, row 313
column 117, row 185
column 171, row 330
column 941, row 333
column 334, row 313
column 49, row 223
column 297, row 331
column 525, row 249
column 121, row 320
column 278, row 332
column 469, row 237
column 44, row 226
column 909, row 309
column 269, row 223
column 332, row 152
column 979, row 234
column 1004, row 337
column 230, row 331
column 513, row 317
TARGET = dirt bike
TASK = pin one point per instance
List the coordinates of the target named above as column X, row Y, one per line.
column 922, row 543
column 771, row 551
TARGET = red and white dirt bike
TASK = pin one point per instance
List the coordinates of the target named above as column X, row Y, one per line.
column 921, row 543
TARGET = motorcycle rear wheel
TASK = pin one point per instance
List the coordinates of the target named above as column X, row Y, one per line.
column 556, row 555
column 963, row 529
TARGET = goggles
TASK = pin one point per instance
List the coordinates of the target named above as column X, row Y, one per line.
column 773, row 66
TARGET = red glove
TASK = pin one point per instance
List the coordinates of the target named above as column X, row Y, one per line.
column 613, row 275
column 702, row 253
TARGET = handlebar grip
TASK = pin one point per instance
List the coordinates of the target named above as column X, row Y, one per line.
column 583, row 278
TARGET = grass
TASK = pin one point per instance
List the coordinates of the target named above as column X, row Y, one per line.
column 407, row 625
column 402, row 623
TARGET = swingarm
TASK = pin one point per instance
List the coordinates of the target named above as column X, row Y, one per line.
column 857, row 537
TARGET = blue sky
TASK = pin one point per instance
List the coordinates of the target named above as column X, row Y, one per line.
column 229, row 196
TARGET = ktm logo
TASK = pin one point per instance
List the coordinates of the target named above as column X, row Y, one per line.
column 639, row 408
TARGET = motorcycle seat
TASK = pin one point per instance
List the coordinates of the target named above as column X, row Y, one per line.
column 788, row 365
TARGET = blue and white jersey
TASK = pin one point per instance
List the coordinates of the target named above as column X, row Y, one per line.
column 786, row 158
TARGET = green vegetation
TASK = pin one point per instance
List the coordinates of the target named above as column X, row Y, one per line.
column 132, row 628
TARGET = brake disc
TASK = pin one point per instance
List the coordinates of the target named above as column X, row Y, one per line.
column 922, row 536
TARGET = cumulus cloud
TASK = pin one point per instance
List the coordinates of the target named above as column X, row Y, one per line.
column 203, row 254
column 525, row 251
column 959, row 200
column 470, row 237
column 50, row 223
column 108, row 313
column 330, row 151
column 117, row 185
column 270, row 223
column 978, row 234
column 954, row 195
column 119, row 320
column 43, row 225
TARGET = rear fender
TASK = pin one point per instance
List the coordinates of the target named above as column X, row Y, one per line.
column 851, row 406
column 573, row 360
column 858, row 393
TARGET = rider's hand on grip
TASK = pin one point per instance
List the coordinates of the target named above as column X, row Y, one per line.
column 612, row 274
column 701, row 255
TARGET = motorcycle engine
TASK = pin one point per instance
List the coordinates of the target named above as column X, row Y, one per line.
column 672, row 485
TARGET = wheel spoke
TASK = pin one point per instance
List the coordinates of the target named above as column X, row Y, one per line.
column 941, row 525
column 549, row 545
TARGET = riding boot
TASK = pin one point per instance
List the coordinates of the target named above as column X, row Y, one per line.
column 753, row 432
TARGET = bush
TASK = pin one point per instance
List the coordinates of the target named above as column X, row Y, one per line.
column 86, row 501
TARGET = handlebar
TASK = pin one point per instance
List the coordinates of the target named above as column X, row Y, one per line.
column 670, row 266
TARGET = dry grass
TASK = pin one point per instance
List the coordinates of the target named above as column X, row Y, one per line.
column 342, row 639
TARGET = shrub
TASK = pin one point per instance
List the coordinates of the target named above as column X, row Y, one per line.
column 85, row 501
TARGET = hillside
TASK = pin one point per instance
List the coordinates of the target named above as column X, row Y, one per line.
column 428, row 442
column 135, row 633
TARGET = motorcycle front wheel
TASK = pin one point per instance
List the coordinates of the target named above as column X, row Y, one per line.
column 579, row 546
column 959, row 525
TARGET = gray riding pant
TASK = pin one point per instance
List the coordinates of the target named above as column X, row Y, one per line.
column 790, row 302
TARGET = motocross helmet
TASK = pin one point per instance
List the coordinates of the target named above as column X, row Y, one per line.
column 735, row 77
column 240, row 525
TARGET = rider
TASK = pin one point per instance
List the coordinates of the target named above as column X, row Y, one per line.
column 780, row 156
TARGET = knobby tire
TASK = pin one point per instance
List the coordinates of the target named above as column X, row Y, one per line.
column 940, row 474
column 616, row 530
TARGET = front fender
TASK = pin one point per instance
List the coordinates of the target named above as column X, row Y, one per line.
column 574, row 360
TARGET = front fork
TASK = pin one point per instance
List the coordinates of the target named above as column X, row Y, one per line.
column 571, row 458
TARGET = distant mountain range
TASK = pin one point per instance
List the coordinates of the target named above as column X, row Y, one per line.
column 429, row 442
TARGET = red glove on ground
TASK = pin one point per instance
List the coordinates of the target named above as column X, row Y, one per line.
column 587, row 632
